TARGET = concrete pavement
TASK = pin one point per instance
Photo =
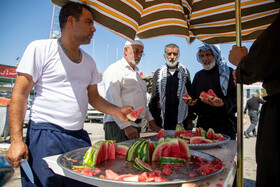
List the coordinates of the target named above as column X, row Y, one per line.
column 96, row 133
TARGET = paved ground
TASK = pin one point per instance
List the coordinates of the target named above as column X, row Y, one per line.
column 96, row 133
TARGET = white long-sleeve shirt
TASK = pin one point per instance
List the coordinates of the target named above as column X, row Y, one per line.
column 124, row 86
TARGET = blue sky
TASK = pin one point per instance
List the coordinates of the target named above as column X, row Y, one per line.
column 25, row 21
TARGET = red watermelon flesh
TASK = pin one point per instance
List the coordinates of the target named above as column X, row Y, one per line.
column 160, row 134
column 174, row 149
column 204, row 95
column 111, row 150
column 151, row 150
column 184, row 149
column 187, row 97
column 110, row 174
column 196, row 140
column 161, row 150
column 210, row 134
column 121, row 151
column 212, row 94
column 197, row 132
column 135, row 114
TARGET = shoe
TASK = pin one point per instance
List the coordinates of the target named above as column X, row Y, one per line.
column 246, row 134
column 254, row 135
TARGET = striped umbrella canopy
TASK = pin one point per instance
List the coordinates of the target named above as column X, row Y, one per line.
column 211, row 21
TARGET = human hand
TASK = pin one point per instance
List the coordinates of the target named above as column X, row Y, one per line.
column 191, row 102
column 218, row 103
column 236, row 54
column 131, row 133
column 153, row 126
column 123, row 111
column 16, row 152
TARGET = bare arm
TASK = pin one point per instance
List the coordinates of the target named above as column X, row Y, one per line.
column 100, row 104
column 21, row 90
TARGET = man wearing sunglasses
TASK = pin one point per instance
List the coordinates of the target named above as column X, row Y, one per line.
column 170, row 83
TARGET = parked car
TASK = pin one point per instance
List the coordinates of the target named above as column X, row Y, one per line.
column 94, row 115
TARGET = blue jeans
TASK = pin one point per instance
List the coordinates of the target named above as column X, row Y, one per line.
column 45, row 139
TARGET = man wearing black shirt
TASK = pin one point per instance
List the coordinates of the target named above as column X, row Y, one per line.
column 215, row 75
column 170, row 83
column 253, row 111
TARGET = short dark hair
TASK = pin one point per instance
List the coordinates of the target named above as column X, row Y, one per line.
column 71, row 9
column 171, row 45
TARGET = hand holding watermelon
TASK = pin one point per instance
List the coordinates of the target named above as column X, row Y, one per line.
column 189, row 100
column 211, row 98
column 122, row 112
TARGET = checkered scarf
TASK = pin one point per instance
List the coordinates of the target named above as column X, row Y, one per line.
column 162, row 81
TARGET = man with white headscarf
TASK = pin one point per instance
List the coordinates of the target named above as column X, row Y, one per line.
column 170, row 83
column 215, row 75
column 123, row 84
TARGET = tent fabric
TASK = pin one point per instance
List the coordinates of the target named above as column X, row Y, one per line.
column 211, row 21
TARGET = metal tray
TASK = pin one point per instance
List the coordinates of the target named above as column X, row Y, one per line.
column 171, row 133
column 120, row 166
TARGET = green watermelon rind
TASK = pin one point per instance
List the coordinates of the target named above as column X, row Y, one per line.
column 140, row 164
column 88, row 157
column 134, row 114
column 179, row 128
column 142, row 151
column 170, row 160
column 131, row 150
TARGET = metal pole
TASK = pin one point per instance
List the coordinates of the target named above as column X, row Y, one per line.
column 240, row 142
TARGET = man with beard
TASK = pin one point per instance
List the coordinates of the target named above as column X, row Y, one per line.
column 124, row 85
column 216, row 75
column 170, row 83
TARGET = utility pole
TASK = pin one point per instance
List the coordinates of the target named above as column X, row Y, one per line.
column 55, row 28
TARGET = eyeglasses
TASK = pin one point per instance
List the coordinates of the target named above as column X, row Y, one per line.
column 137, row 52
column 169, row 54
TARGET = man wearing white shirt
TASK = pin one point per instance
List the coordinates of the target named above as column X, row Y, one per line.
column 123, row 86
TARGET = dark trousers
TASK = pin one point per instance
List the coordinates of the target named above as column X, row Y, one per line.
column 45, row 139
column 253, row 114
column 113, row 132
column 268, row 144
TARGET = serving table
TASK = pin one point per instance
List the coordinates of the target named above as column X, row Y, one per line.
column 226, row 152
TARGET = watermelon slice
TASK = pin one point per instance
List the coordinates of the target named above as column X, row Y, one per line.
column 140, row 164
column 170, row 160
column 160, row 134
column 110, row 174
column 121, row 151
column 210, row 134
column 161, row 150
column 187, row 97
column 204, row 96
column 212, row 95
column 135, row 114
column 4, row 101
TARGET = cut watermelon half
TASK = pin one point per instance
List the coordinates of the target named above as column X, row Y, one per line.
column 135, row 114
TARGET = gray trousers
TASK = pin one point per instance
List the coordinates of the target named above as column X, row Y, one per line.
column 253, row 114
column 113, row 132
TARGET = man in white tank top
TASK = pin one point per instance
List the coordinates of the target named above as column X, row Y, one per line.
column 65, row 80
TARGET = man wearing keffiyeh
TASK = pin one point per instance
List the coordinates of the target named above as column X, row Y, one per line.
column 215, row 75
column 170, row 83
